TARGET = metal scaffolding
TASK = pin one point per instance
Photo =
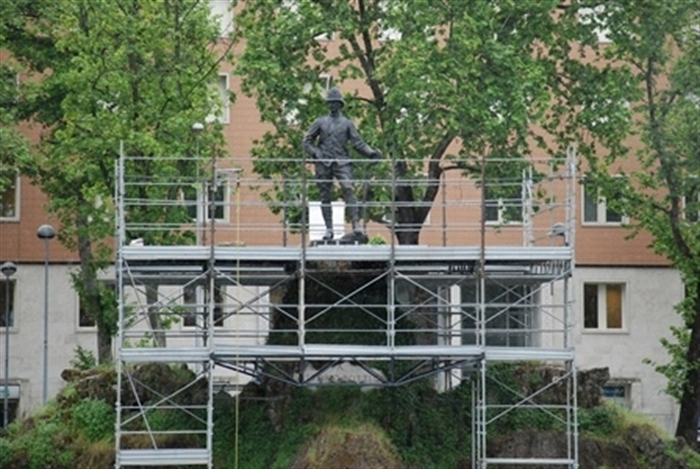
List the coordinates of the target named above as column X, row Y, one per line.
column 211, row 283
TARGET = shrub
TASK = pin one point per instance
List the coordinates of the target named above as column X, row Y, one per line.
column 5, row 452
column 601, row 421
column 95, row 419
column 84, row 359
column 40, row 445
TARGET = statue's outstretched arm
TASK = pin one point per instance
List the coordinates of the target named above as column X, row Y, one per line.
column 359, row 144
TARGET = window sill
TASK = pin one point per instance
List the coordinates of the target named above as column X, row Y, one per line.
column 605, row 331
column 497, row 224
column 604, row 224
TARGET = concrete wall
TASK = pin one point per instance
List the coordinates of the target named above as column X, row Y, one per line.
column 650, row 294
column 649, row 297
column 27, row 335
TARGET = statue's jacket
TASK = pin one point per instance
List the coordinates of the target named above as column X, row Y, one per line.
column 332, row 134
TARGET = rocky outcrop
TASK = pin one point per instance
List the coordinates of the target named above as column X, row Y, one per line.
column 638, row 447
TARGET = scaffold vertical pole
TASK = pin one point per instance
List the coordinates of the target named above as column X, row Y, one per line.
column 120, row 239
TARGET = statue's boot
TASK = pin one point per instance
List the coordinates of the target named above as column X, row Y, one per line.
column 358, row 232
column 327, row 213
column 356, row 226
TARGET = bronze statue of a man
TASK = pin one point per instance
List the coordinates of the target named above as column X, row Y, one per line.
column 326, row 142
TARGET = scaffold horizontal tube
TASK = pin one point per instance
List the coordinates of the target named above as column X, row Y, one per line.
column 165, row 355
column 402, row 253
column 163, row 457
column 326, row 351
column 527, row 353
column 530, row 462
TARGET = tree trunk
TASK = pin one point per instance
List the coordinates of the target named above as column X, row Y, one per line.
column 90, row 297
column 407, row 236
column 154, row 316
column 687, row 427
column 104, row 345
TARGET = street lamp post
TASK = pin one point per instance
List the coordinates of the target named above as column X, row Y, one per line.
column 46, row 233
column 8, row 269
column 197, row 129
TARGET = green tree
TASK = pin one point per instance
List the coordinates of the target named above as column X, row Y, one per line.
column 432, row 73
column 105, row 72
column 15, row 148
column 655, row 47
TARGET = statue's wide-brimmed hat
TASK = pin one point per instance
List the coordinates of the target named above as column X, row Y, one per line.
column 334, row 94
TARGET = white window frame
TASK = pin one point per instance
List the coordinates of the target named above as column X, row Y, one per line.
column 203, row 203
column 388, row 34
column 588, row 15
column 223, row 110
column 290, row 113
column 624, row 401
column 502, row 205
column 695, row 216
column 602, row 307
column 293, row 7
column 601, row 218
column 16, row 214
column 199, row 301
column 222, row 13
column 201, row 212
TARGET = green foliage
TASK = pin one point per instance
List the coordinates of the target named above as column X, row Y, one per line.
column 43, row 446
column 377, row 240
column 95, row 419
column 600, row 421
column 509, row 384
column 5, row 452
column 430, row 73
column 655, row 47
column 14, row 151
column 84, row 359
column 138, row 75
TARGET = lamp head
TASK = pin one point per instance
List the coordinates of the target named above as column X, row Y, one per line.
column 46, row 232
column 558, row 229
column 8, row 269
column 197, row 127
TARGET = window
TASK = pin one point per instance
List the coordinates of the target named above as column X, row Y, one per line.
column 510, row 314
column 595, row 209
column 691, row 201
column 291, row 110
column 9, row 196
column 504, row 205
column 3, row 301
column 292, row 6
column 595, row 16
column 189, row 298
column 388, row 33
column 87, row 318
column 202, row 209
column 617, row 393
column 13, row 391
column 222, row 12
column 603, row 306
column 222, row 106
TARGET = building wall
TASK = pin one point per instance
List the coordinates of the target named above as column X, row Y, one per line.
column 602, row 254
column 648, row 301
column 27, row 335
